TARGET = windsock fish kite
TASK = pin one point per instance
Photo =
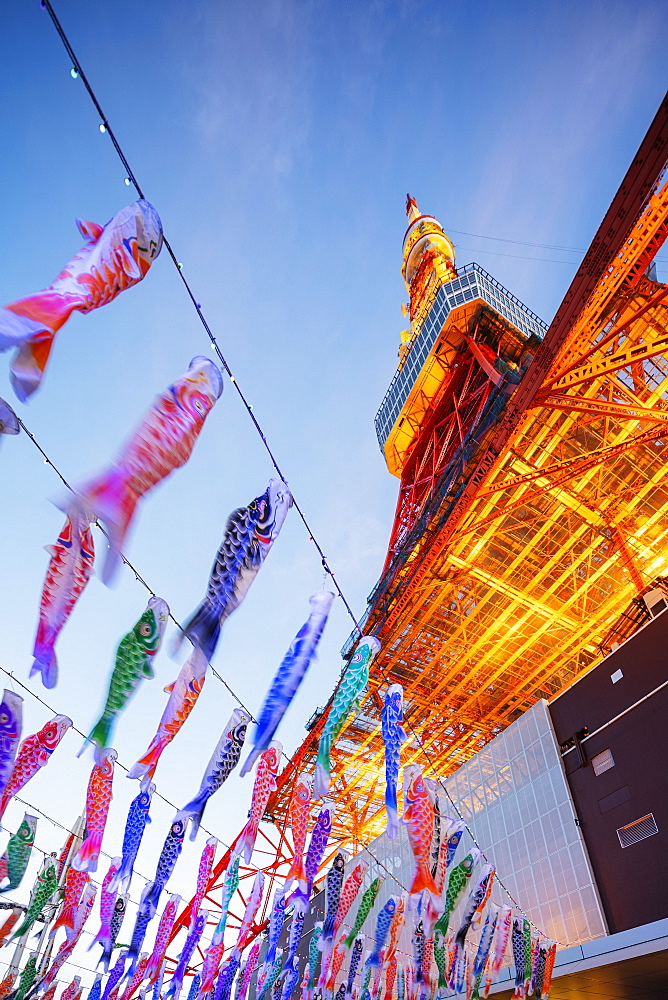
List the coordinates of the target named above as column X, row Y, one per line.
column 300, row 802
column 226, row 977
column 419, row 818
column 418, row 942
column 98, row 799
column 395, row 928
column 320, row 835
column 337, row 961
column 96, row 989
column 11, row 723
column 43, row 889
column 355, row 959
column 117, row 918
column 385, row 918
column 115, row 975
column 453, row 835
column 162, row 938
column 135, row 825
column 223, row 761
column 136, row 978
column 392, row 718
column 265, row 784
column 349, row 891
column 291, row 974
column 366, row 902
column 14, row 861
column 313, row 953
column 476, row 902
column 250, row 533
column 108, row 899
column 290, row 674
column 484, row 945
column 519, row 958
column 276, row 920
column 116, row 256
column 248, row 970
column 171, row 850
column 499, row 945
column 334, row 884
column 34, row 753
column 192, row 939
column 346, row 699
column 183, row 695
column 27, row 977
column 9, row 422
column 250, row 911
column 162, row 442
column 75, row 883
column 203, row 876
column 435, row 849
column 457, row 882
column 214, row 952
column 84, row 910
column 69, row 570
column 295, row 934
column 142, row 920
column 133, row 664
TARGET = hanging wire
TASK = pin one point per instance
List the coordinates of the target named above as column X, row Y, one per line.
column 524, row 243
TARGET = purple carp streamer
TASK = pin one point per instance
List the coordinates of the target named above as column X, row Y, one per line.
column 223, row 761
column 249, row 535
column 11, row 723
column 392, row 718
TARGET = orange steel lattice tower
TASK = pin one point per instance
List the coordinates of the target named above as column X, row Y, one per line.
column 534, row 490
column 533, row 499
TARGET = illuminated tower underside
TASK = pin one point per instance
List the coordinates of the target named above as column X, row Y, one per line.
column 518, row 540
column 532, row 513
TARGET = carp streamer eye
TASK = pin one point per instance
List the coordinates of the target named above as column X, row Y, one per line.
column 145, row 629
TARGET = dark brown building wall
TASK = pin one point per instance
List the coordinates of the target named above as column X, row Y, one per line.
column 632, row 881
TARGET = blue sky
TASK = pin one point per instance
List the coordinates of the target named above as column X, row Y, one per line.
column 277, row 140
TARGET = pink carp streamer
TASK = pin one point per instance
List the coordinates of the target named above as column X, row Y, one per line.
column 161, row 443
column 116, row 256
column 265, row 784
column 67, row 575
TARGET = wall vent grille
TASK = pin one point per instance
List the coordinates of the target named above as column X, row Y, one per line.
column 638, row 830
column 602, row 762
